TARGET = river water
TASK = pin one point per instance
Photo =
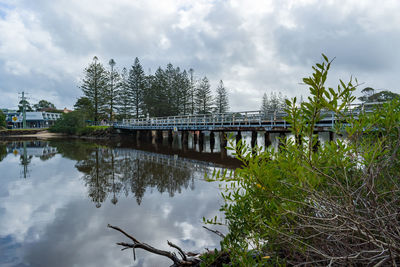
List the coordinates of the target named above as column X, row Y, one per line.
column 57, row 197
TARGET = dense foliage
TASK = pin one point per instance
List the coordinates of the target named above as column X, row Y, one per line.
column 69, row 123
column 273, row 102
column 133, row 94
column 94, row 87
column 44, row 105
column 337, row 205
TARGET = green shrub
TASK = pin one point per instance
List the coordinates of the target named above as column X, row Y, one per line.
column 69, row 123
column 335, row 205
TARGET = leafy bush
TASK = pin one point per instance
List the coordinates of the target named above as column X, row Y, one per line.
column 335, row 205
column 70, row 123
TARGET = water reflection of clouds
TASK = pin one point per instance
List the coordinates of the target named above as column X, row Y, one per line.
column 48, row 220
column 33, row 201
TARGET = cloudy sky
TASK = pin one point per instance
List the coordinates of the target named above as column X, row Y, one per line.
column 254, row 46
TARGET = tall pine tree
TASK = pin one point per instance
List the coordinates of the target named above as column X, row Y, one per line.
column 112, row 90
column 185, row 92
column 192, row 93
column 136, row 84
column 204, row 97
column 221, row 99
column 94, row 87
column 124, row 96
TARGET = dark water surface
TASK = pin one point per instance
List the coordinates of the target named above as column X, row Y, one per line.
column 57, row 197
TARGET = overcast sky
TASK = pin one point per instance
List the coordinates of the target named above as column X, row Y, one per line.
column 254, row 46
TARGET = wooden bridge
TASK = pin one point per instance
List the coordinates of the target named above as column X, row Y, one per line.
column 253, row 121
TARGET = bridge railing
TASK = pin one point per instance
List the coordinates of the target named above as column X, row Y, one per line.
column 243, row 118
column 216, row 119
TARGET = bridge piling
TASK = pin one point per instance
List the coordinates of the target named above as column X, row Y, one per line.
column 212, row 141
column 331, row 135
column 159, row 136
column 201, row 141
column 185, row 137
column 170, row 137
column 238, row 137
column 267, row 139
column 194, row 137
column 254, row 135
column 223, row 141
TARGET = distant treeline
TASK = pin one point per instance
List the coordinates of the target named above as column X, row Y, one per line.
column 130, row 93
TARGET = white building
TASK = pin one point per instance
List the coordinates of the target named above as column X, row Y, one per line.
column 37, row 119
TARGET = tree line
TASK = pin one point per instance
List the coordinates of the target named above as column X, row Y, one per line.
column 111, row 95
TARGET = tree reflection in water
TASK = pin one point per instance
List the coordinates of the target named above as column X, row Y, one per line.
column 111, row 171
column 3, row 151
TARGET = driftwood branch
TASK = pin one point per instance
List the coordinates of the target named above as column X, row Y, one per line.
column 181, row 252
column 184, row 261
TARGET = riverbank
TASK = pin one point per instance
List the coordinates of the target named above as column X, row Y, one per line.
column 28, row 134
column 95, row 134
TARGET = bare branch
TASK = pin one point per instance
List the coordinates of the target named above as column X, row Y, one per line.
column 215, row 232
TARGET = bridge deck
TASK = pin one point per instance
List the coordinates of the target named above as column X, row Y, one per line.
column 233, row 121
column 249, row 121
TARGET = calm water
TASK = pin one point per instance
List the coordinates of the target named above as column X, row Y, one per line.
column 56, row 198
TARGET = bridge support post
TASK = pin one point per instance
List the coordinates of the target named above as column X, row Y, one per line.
column 201, row 141
column 223, row 141
column 170, row 137
column 238, row 137
column 267, row 140
column 254, row 135
column 159, row 136
column 194, row 137
column 212, row 141
column 185, row 137
column 331, row 135
column 185, row 140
